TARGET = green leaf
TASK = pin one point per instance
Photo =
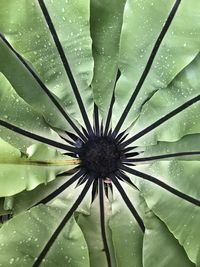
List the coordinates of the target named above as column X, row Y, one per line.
column 27, row 199
column 183, row 88
column 189, row 143
column 157, row 241
column 105, row 33
column 155, row 48
column 126, row 234
column 178, row 48
column 29, row 34
column 181, row 217
column 90, row 225
column 35, row 96
column 20, row 246
column 40, row 165
column 17, row 112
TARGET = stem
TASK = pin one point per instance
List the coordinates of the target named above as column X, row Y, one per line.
column 148, row 67
column 36, row 137
column 163, row 185
column 44, row 88
column 164, row 156
column 128, row 203
column 60, row 227
column 161, row 120
column 102, row 222
column 66, row 66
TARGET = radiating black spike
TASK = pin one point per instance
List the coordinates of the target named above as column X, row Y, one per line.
column 108, row 120
column 43, row 87
column 82, row 180
column 148, row 66
column 36, row 137
column 164, row 156
column 60, row 227
column 107, row 187
column 85, row 132
column 129, row 149
column 62, row 188
column 101, row 129
column 130, row 155
column 128, row 203
column 121, row 175
column 120, row 136
column 129, row 164
column 163, row 185
column 96, row 120
column 74, row 137
column 94, row 189
column 66, row 140
column 110, row 132
column 161, row 121
column 122, row 139
column 102, row 222
column 66, row 66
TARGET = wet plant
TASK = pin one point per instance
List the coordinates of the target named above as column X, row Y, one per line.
column 99, row 128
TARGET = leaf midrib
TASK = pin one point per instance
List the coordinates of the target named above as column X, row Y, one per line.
column 41, row 162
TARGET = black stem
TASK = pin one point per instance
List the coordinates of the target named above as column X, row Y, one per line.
column 121, row 175
column 82, row 180
column 120, row 136
column 130, row 155
column 36, row 137
column 102, row 222
column 162, row 184
column 164, row 156
column 96, row 120
column 72, row 136
column 66, row 140
column 148, row 66
column 101, row 129
column 128, row 202
column 161, row 121
column 61, row 188
column 129, row 149
column 71, row 155
column 94, row 189
column 108, row 120
column 60, row 227
column 122, row 139
column 66, row 66
column 44, row 88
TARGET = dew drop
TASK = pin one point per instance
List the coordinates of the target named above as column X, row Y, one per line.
column 11, row 260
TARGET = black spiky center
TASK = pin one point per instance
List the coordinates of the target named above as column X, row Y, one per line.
column 104, row 155
column 100, row 156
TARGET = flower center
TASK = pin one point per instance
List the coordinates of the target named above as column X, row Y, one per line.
column 100, row 156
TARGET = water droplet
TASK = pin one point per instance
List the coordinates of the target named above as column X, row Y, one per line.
column 11, row 260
